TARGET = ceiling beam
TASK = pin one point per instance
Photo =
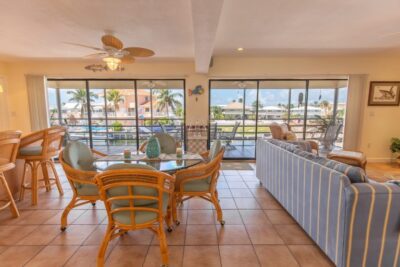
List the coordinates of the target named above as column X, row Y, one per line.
column 205, row 14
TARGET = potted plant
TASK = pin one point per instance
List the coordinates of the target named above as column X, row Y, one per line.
column 395, row 148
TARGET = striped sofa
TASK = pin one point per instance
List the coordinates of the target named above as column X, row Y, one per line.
column 355, row 224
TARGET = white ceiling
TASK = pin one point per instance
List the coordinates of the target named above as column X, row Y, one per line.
column 199, row 29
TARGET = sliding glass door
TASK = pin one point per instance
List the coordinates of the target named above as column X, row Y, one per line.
column 307, row 106
column 112, row 115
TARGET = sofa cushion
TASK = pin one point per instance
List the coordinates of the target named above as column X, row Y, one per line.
column 137, row 190
column 289, row 146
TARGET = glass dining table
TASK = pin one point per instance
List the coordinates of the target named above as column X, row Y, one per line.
column 165, row 163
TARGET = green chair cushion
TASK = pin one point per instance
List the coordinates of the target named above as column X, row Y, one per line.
column 140, row 216
column 197, row 185
column 86, row 189
column 137, row 190
column 31, row 151
column 167, row 143
column 79, row 156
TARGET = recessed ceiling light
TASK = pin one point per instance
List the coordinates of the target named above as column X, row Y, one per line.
column 240, row 49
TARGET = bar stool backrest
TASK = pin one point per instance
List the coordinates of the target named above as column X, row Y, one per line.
column 9, row 143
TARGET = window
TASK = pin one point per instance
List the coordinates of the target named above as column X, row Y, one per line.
column 112, row 115
column 242, row 110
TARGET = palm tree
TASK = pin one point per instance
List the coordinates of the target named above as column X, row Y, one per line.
column 217, row 113
column 326, row 106
column 256, row 105
column 115, row 97
column 166, row 99
column 79, row 97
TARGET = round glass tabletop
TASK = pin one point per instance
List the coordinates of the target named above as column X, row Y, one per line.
column 169, row 166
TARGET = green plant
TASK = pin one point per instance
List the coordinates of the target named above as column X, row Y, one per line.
column 114, row 98
column 117, row 126
column 80, row 98
column 395, row 145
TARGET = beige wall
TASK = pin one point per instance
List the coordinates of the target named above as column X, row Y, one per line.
column 4, row 111
column 379, row 123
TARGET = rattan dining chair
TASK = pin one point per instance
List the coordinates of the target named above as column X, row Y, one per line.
column 200, row 181
column 77, row 162
column 9, row 143
column 135, row 199
column 168, row 144
column 38, row 149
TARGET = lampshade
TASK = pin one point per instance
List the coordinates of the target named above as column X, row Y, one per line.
column 112, row 62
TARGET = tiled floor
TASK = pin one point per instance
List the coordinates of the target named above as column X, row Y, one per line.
column 257, row 233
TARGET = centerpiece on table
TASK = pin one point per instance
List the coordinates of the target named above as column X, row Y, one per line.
column 153, row 149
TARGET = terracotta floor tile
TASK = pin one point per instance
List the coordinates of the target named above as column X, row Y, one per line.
column 153, row 258
column 137, row 237
column 72, row 216
column 227, row 203
column 182, row 216
column 253, row 184
column 92, row 216
column 261, row 193
column 233, row 178
column 176, row 237
column 52, row 256
column 237, row 185
column 293, row 235
column 275, row 256
column 6, row 217
column 279, row 217
column 230, row 217
column 230, row 172
column 247, row 203
column 127, row 256
column 3, row 248
column 201, row 217
column 232, row 235
column 200, row 256
column 222, row 185
column 199, row 203
column 37, row 217
column 238, row 255
column 222, row 193
column 201, row 235
column 11, row 234
column 269, row 204
column 42, row 235
column 74, row 235
column 310, row 256
column 254, row 217
column 96, row 237
column 85, row 256
column 263, row 234
column 18, row 255
column 244, row 192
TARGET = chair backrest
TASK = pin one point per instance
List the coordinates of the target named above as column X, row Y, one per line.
column 234, row 129
column 167, row 143
column 50, row 139
column 332, row 132
column 213, row 167
column 213, row 130
column 78, row 156
column 276, row 131
column 126, row 201
column 9, row 143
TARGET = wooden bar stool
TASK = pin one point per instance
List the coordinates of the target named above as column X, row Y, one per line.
column 9, row 143
column 38, row 149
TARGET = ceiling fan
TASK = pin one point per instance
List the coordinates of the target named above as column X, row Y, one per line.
column 114, row 54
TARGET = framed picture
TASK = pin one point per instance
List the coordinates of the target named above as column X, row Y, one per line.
column 384, row 93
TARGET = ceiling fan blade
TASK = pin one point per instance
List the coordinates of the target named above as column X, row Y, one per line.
column 139, row 52
column 96, row 55
column 112, row 41
column 86, row 46
column 127, row 59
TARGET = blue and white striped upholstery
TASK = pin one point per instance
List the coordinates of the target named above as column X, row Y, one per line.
column 355, row 224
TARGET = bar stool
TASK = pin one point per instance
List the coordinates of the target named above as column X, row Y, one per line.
column 38, row 149
column 9, row 143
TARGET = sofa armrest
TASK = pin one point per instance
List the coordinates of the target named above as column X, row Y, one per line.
column 372, row 224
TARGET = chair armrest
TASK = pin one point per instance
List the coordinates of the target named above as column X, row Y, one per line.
column 314, row 145
column 194, row 173
column 204, row 155
column 98, row 153
column 31, row 138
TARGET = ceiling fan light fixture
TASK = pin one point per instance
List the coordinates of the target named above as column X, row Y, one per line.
column 112, row 62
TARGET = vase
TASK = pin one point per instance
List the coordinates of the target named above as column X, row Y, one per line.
column 153, row 148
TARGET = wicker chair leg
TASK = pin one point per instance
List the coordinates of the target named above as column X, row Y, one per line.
column 174, row 209
column 168, row 217
column 64, row 216
column 46, row 177
column 34, row 184
column 103, row 247
column 13, row 207
column 22, row 188
column 53, row 168
column 215, row 201
column 163, row 246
